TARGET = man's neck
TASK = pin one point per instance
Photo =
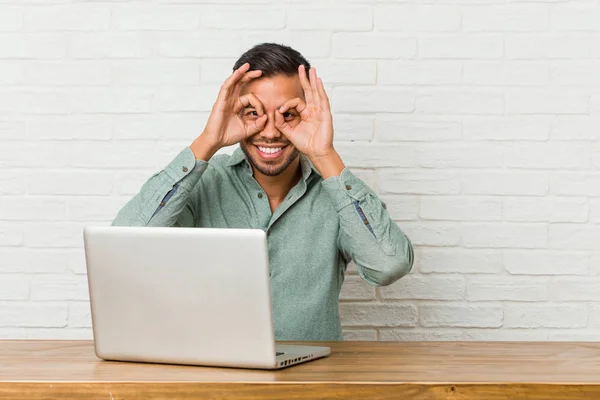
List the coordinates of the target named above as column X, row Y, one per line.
column 278, row 186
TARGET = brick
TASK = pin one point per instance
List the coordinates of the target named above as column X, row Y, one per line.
column 130, row 183
column 109, row 100
column 594, row 321
column 573, row 236
column 547, row 46
column 460, row 209
column 545, row 316
column 11, row 18
column 499, row 183
column 172, row 126
column 12, row 73
column 375, row 155
column 574, row 289
column 417, row 18
column 398, row 128
column 375, row 45
column 32, row 261
column 62, row 73
column 514, row 235
column 29, row 46
column 493, row 73
column 352, row 72
column 12, row 129
column 53, row 235
column 205, row 44
column 187, row 98
column 507, row 128
column 311, row 44
column 545, row 263
column 102, row 209
column 111, row 45
column 583, row 74
column 378, row 100
column 548, row 156
column 502, row 289
column 575, row 127
column 22, row 101
column 68, row 17
column 547, row 103
column 32, row 209
column 69, row 183
column 65, row 287
column 451, row 155
column 80, row 315
column 556, row 209
column 69, row 127
column 413, row 182
column 461, row 261
column 460, row 316
column 350, row 127
column 575, row 184
column 504, row 335
column 360, row 335
column 432, row 233
column 76, row 261
column 568, row 18
column 460, row 102
column 14, row 288
column 216, row 70
column 354, row 288
column 384, row 315
column 418, row 335
column 146, row 16
column 462, row 46
column 414, row 287
column 570, row 336
column 12, row 183
column 11, row 234
column 30, row 315
column 348, row 18
column 242, row 18
column 155, row 73
column 422, row 72
column 401, row 208
column 510, row 18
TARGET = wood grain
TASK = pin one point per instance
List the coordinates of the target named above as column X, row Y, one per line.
column 373, row 370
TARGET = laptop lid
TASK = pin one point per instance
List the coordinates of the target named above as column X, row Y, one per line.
column 181, row 295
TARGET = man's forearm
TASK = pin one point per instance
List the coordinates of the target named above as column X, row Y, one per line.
column 330, row 165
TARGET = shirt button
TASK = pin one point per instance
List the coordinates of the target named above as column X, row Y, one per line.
column 260, row 195
column 162, row 203
column 268, row 233
column 348, row 187
column 185, row 169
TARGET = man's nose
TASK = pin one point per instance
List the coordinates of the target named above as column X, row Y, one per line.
column 270, row 131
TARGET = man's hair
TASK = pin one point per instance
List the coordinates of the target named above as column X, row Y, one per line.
column 273, row 59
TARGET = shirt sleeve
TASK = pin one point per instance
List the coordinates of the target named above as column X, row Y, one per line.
column 166, row 199
column 368, row 235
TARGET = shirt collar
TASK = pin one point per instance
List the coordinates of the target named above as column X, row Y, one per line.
column 239, row 157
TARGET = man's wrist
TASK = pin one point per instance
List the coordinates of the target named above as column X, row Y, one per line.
column 329, row 165
column 202, row 149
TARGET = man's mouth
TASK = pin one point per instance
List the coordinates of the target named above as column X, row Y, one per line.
column 270, row 152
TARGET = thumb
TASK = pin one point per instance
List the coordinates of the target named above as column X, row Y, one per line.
column 256, row 126
column 283, row 126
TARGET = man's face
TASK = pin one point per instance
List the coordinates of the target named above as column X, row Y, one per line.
column 269, row 151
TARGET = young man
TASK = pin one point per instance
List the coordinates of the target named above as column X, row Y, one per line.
column 287, row 179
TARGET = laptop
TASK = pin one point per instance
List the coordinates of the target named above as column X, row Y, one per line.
column 193, row 296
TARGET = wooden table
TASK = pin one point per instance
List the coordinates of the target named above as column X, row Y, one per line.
column 357, row 370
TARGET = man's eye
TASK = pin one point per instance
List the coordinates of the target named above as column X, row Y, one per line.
column 288, row 115
column 252, row 113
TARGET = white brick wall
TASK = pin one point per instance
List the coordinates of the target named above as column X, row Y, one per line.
column 476, row 121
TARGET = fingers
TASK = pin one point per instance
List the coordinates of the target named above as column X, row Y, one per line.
column 325, row 106
column 236, row 79
column 313, row 85
column 296, row 103
column 250, row 100
column 257, row 125
column 308, row 95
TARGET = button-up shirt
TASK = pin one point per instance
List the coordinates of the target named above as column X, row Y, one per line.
column 312, row 235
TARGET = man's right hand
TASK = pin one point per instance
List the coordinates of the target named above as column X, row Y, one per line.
column 225, row 126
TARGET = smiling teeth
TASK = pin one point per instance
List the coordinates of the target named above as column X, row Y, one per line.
column 270, row 150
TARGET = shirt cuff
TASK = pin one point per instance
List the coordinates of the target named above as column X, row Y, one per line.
column 185, row 169
column 344, row 189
